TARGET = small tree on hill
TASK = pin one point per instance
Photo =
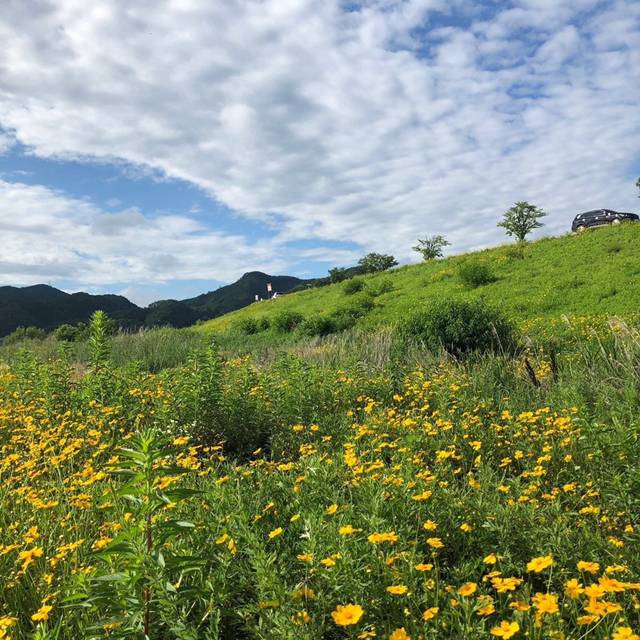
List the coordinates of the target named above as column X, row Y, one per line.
column 337, row 274
column 373, row 262
column 431, row 247
column 638, row 184
column 521, row 220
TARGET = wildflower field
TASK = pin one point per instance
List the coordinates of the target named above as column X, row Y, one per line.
column 314, row 497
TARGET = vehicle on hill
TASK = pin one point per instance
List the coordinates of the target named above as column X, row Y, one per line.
column 599, row 217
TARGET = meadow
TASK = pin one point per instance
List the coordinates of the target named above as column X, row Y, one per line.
column 225, row 483
column 332, row 491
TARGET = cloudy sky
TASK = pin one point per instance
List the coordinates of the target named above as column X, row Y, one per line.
column 159, row 148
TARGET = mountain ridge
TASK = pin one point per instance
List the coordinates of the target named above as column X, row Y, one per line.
column 47, row 307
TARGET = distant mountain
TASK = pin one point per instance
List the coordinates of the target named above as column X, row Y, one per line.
column 241, row 293
column 47, row 307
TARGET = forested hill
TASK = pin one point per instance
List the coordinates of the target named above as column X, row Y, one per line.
column 46, row 307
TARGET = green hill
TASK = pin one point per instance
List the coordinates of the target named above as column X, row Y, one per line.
column 596, row 272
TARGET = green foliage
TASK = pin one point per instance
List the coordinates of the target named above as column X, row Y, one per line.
column 101, row 328
column 132, row 593
column 317, row 326
column 72, row 333
column 374, row 262
column 354, row 285
column 521, row 219
column 459, row 327
column 431, row 247
column 250, row 326
column 474, row 274
column 24, row 333
column 380, row 287
column 337, row 274
column 287, row 321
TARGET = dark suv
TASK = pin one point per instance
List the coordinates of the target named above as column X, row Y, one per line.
column 600, row 216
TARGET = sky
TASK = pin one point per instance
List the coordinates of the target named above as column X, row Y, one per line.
column 161, row 148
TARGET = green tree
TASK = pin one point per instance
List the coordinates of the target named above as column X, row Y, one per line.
column 521, row 220
column 431, row 247
column 374, row 262
column 337, row 274
column 638, row 184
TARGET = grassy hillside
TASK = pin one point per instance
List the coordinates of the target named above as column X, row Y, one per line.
column 592, row 273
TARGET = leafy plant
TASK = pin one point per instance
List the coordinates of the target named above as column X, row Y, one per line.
column 142, row 585
column 459, row 327
column 287, row 321
column 521, row 219
column 374, row 262
column 431, row 247
column 353, row 286
column 475, row 274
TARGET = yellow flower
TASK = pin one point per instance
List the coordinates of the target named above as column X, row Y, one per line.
column 468, row 589
column 302, row 617
column 539, row 564
column 398, row 589
column 423, row 567
column 505, row 629
column 305, row 557
column 181, row 440
column 430, row 613
column 294, row 518
column 490, row 559
column 625, row 633
column 435, row 543
column 573, row 588
column 400, row 634
column 331, row 509
column 430, row 525
column 347, row 530
column 42, row 613
column 275, row 533
column 589, row 567
column 545, row 603
column 466, row 527
column 518, row 605
column 347, row 614
column 377, row 538
column 502, row 585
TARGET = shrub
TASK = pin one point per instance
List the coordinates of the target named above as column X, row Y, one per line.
column 459, row 327
column 475, row 274
column 246, row 326
column 353, row 286
column 374, row 262
column 317, row 326
column 25, row 333
column 287, row 321
column 378, row 288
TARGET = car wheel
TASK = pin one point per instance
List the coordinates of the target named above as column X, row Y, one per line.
column 581, row 228
column 616, row 221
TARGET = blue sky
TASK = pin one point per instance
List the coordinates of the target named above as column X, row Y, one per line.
column 164, row 148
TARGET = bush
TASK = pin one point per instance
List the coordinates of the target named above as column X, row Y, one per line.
column 378, row 288
column 317, row 326
column 475, row 274
column 287, row 321
column 459, row 327
column 25, row 333
column 249, row 326
column 353, row 286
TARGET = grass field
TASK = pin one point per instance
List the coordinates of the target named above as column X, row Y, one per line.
column 338, row 487
column 592, row 273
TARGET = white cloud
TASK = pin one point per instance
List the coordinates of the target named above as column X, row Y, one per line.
column 326, row 118
column 50, row 236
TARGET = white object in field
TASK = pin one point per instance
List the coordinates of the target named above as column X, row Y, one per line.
column 269, row 287
column 257, row 297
